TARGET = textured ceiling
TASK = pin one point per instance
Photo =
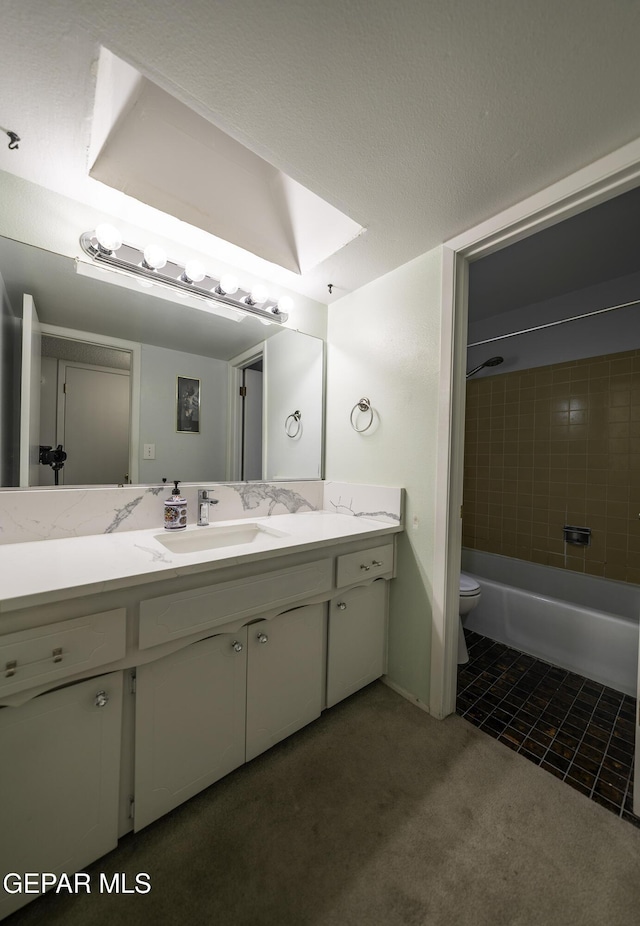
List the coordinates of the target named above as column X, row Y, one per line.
column 418, row 119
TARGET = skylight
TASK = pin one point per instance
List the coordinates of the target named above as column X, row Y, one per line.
column 152, row 147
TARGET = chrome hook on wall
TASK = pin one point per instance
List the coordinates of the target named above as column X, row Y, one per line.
column 14, row 138
column 296, row 421
column 364, row 405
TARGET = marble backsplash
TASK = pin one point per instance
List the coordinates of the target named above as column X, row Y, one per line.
column 382, row 503
column 52, row 514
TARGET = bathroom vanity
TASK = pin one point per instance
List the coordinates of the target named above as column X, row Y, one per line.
column 138, row 668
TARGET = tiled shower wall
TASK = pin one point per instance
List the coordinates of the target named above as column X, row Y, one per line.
column 552, row 446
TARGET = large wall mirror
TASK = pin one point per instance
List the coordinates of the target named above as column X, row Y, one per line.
column 138, row 385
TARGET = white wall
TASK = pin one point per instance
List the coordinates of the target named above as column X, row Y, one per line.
column 608, row 333
column 187, row 457
column 294, row 376
column 384, row 343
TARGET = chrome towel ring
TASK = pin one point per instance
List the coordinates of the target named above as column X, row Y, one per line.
column 294, row 420
column 364, row 405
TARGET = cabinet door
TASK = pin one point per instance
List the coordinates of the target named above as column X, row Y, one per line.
column 59, row 780
column 285, row 675
column 357, row 637
column 190, row 717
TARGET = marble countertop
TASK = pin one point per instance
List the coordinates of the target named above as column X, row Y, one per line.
column 45, row 571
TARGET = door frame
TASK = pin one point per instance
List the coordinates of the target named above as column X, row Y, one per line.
column 234, row 416
column 71, row 334
column 600, row 181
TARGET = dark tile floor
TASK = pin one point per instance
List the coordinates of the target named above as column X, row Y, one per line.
column 580, row 731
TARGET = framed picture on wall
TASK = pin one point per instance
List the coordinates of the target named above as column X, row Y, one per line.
column 188, row 405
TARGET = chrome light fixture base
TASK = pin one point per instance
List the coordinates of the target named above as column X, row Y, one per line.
column 131, row 260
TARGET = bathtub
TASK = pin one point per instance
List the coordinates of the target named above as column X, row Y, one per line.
column 582, row 623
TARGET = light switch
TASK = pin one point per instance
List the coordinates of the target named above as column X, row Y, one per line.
column 149, row 452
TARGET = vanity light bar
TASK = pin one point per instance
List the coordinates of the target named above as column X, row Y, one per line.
column 152, row 266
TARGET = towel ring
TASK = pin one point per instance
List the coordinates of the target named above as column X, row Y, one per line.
column 364, row 405
column 296, row 416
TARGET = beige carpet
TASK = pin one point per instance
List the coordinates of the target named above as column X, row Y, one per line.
column 375, row 815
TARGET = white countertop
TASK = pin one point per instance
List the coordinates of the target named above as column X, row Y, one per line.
column 45, row 571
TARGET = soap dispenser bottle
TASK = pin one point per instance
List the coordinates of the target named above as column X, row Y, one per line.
column 175, row 510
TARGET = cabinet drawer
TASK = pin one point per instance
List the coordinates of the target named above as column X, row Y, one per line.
column 368, row 564
column 175, row 616
column 43, row 654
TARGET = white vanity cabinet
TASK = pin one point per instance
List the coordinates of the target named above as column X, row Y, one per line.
column 356, row 650
column 224, row 662
column 59, row 780
column 206, row 709
column 285, row 676
column 190, row 722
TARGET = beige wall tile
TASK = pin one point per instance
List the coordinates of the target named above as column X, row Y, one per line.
column 556, row 445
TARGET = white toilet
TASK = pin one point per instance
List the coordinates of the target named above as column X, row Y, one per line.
column 469, row 598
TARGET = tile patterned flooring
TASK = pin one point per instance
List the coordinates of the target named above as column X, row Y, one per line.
column 576, row 729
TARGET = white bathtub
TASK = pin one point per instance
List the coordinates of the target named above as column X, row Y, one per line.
column 597, row 643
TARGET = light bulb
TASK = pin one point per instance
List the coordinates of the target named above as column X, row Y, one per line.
column 108, row 237
column 284, row 304
column 259, row 294
column 193, row 272
column 228, row 284
column 154, row 257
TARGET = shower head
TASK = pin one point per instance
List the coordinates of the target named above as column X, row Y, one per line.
column 491, row 362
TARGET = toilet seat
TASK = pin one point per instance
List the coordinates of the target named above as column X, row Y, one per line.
column 468, row 586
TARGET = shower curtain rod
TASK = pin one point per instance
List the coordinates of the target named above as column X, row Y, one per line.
column 562, row 321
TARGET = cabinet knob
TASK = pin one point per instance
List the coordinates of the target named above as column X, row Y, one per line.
column 342, row 605
column 10, row 668
column 101, row 698
column 237, row 645
column 262, row 638
column 365, row 567
column 376, row 562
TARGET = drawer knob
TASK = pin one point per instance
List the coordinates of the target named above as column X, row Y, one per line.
column 365, row 567
column 10, row 668
column 262, row 638
column 237, row 645
column 342, row 605
column 102, row 698
column 376, row 562
column 57, row 654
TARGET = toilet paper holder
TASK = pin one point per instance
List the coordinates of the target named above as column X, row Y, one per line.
column 578, row 536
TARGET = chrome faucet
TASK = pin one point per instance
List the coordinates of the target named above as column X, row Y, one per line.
column 203, row 507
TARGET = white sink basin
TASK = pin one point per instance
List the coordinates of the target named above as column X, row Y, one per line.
column 213, row 537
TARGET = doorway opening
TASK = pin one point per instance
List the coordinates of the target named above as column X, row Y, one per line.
column 246, row 415
column 251, row 425
column 548, row 443
column 602, row 181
